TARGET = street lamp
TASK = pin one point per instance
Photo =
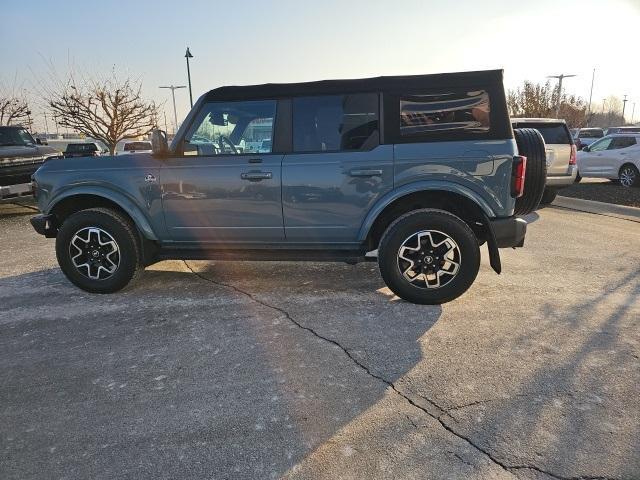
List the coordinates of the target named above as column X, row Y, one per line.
column 188, row 56
column 560, row 78
column 175, row 113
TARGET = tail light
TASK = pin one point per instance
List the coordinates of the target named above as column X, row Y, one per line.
column 572, row 157
column 517, row 175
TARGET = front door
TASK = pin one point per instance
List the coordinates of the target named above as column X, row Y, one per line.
column 593, row 163
column 225, row 185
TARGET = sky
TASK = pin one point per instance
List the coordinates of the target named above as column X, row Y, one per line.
column 249, row 42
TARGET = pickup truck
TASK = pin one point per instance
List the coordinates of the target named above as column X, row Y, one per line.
column 20, row 157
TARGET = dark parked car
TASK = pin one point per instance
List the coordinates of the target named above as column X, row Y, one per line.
column 423, row 169
column 20, row 156
column 82, row 150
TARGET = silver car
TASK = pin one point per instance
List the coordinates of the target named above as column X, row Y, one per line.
column 560, row 150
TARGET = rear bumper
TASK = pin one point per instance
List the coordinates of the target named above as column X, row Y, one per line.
column 563, row 180
column 44, row 225
column 509, row 232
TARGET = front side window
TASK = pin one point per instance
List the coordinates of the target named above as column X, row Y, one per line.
column 335, row 123
column 445, row 112
column 232, row 128
column 600, row 145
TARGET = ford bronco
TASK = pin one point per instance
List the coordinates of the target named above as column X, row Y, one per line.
column 424, row 169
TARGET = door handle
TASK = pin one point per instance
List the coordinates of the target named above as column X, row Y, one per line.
column 365, row 172
column 256, row 176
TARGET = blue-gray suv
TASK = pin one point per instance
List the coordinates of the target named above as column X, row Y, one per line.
column 424, row 169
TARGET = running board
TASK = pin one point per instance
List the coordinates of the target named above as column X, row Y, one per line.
column 276, row 255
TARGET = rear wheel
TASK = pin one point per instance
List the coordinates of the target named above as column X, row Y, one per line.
column 531, row 145
column 429, row 256
column 548, row 196
column 629, row 176
column 98, row 250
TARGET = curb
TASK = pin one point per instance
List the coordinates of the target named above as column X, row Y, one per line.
column 631, row 214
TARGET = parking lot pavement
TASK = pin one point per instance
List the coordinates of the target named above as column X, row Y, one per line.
column 259, row 370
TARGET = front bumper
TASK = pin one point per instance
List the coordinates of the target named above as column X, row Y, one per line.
column 44, row 225
column 509, row 232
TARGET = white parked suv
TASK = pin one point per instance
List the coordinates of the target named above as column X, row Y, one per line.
column 616, row 157
column 560, row 150
column 133, row 146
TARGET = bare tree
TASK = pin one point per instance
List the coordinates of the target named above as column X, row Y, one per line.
column 109, row 110
column 13, row 109
column 541, row 100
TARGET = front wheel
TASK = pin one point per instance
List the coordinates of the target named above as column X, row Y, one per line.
column 629, row 176
column 429, row 257
column 98, row 250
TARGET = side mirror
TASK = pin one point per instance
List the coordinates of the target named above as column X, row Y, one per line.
column 38, row 141
column 159, row 143
column 586, row 148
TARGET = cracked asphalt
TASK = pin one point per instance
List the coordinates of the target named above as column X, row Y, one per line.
column 311, row 370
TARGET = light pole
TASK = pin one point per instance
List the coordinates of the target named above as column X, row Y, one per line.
column 624, row 104
column 593, row 77
column 175, row 113
column 633, row 111
column 560, row 78
column 188, row 56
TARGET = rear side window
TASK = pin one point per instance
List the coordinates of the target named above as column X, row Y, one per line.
column 463, row 112
column 622, row 142
column 332, row 123
column 553, row 133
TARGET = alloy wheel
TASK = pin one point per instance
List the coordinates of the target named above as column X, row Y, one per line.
column 628, row 176
column 94, row 253
column 429, row 259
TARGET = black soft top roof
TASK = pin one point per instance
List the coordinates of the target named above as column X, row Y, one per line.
column 374, row 84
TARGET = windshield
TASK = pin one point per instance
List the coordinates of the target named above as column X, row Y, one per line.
column 81, row 147
column 594, row 133
column 135, row 146
column 13, row 137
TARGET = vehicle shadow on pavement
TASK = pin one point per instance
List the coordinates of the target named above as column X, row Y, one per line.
column 563, row 411
column 225, row 370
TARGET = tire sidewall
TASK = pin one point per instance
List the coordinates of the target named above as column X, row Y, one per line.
column 417, row 221
column 115, row 228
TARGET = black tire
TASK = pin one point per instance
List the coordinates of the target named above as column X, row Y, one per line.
column 127, row 250
column 548, row 196
column 411, row 225
column 628, row 176
column 531, row 145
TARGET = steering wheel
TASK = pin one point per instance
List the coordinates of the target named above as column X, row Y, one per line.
column 226, row 140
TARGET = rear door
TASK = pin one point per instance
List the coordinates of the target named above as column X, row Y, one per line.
column 620, row 151
column 337, row 168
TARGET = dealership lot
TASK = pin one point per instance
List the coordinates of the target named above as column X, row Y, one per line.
column 259, row 370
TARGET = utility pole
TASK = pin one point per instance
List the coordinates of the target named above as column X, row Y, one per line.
column 175, row 113
column 46, row 125
column 593, row 76
column 560, row 77
column 624, row 104
column 633, row 111
column 188, row 56
column 165, row 120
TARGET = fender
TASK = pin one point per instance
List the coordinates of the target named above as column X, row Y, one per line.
column 114, row 195
column 426, row 185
